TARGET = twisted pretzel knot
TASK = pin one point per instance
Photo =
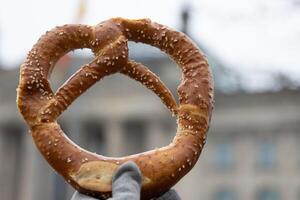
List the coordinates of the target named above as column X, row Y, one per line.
column 40, row 106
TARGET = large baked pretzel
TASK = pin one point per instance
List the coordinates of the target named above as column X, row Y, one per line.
column 88, row 172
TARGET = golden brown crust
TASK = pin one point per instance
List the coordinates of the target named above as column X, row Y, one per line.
column 40, row 106
column 140, row 73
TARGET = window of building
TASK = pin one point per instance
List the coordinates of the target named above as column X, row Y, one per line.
column 224, row 158
column 268, row 194
column 296, row 143
column 95, row 139
column 135, row 131
column 298, row 194
column 266, row 157
column 224, row 194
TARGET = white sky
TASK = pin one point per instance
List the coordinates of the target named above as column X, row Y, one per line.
column 256, row 35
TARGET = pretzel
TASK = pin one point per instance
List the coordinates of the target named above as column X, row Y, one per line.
column 88, row 172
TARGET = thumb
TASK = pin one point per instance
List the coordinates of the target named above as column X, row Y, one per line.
column 127, row 182
column 170, row 195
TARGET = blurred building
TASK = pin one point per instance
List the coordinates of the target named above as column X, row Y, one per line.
column 252, row 151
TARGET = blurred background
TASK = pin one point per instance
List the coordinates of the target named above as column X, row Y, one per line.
column 253, row 47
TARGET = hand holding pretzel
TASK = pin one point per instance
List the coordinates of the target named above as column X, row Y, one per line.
column 90, row 173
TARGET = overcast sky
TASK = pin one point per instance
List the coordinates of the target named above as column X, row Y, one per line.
column 255, row 35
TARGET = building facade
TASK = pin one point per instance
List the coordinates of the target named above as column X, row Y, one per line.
column 252, row 151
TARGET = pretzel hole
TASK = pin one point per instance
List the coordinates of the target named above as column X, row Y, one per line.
column 119, row 109
column 158, row 62
column 67, row 65
column 100, row 119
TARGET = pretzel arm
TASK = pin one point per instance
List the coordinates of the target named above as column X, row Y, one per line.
column 104, row 64
column 83, row 79
column 34, row 89
column 142, row 74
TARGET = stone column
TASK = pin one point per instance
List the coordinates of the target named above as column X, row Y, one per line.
column 36, row 180
column 7, row 151
column 114, row 133
column 155, row 137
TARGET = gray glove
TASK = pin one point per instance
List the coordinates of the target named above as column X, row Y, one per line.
column 127, row 185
